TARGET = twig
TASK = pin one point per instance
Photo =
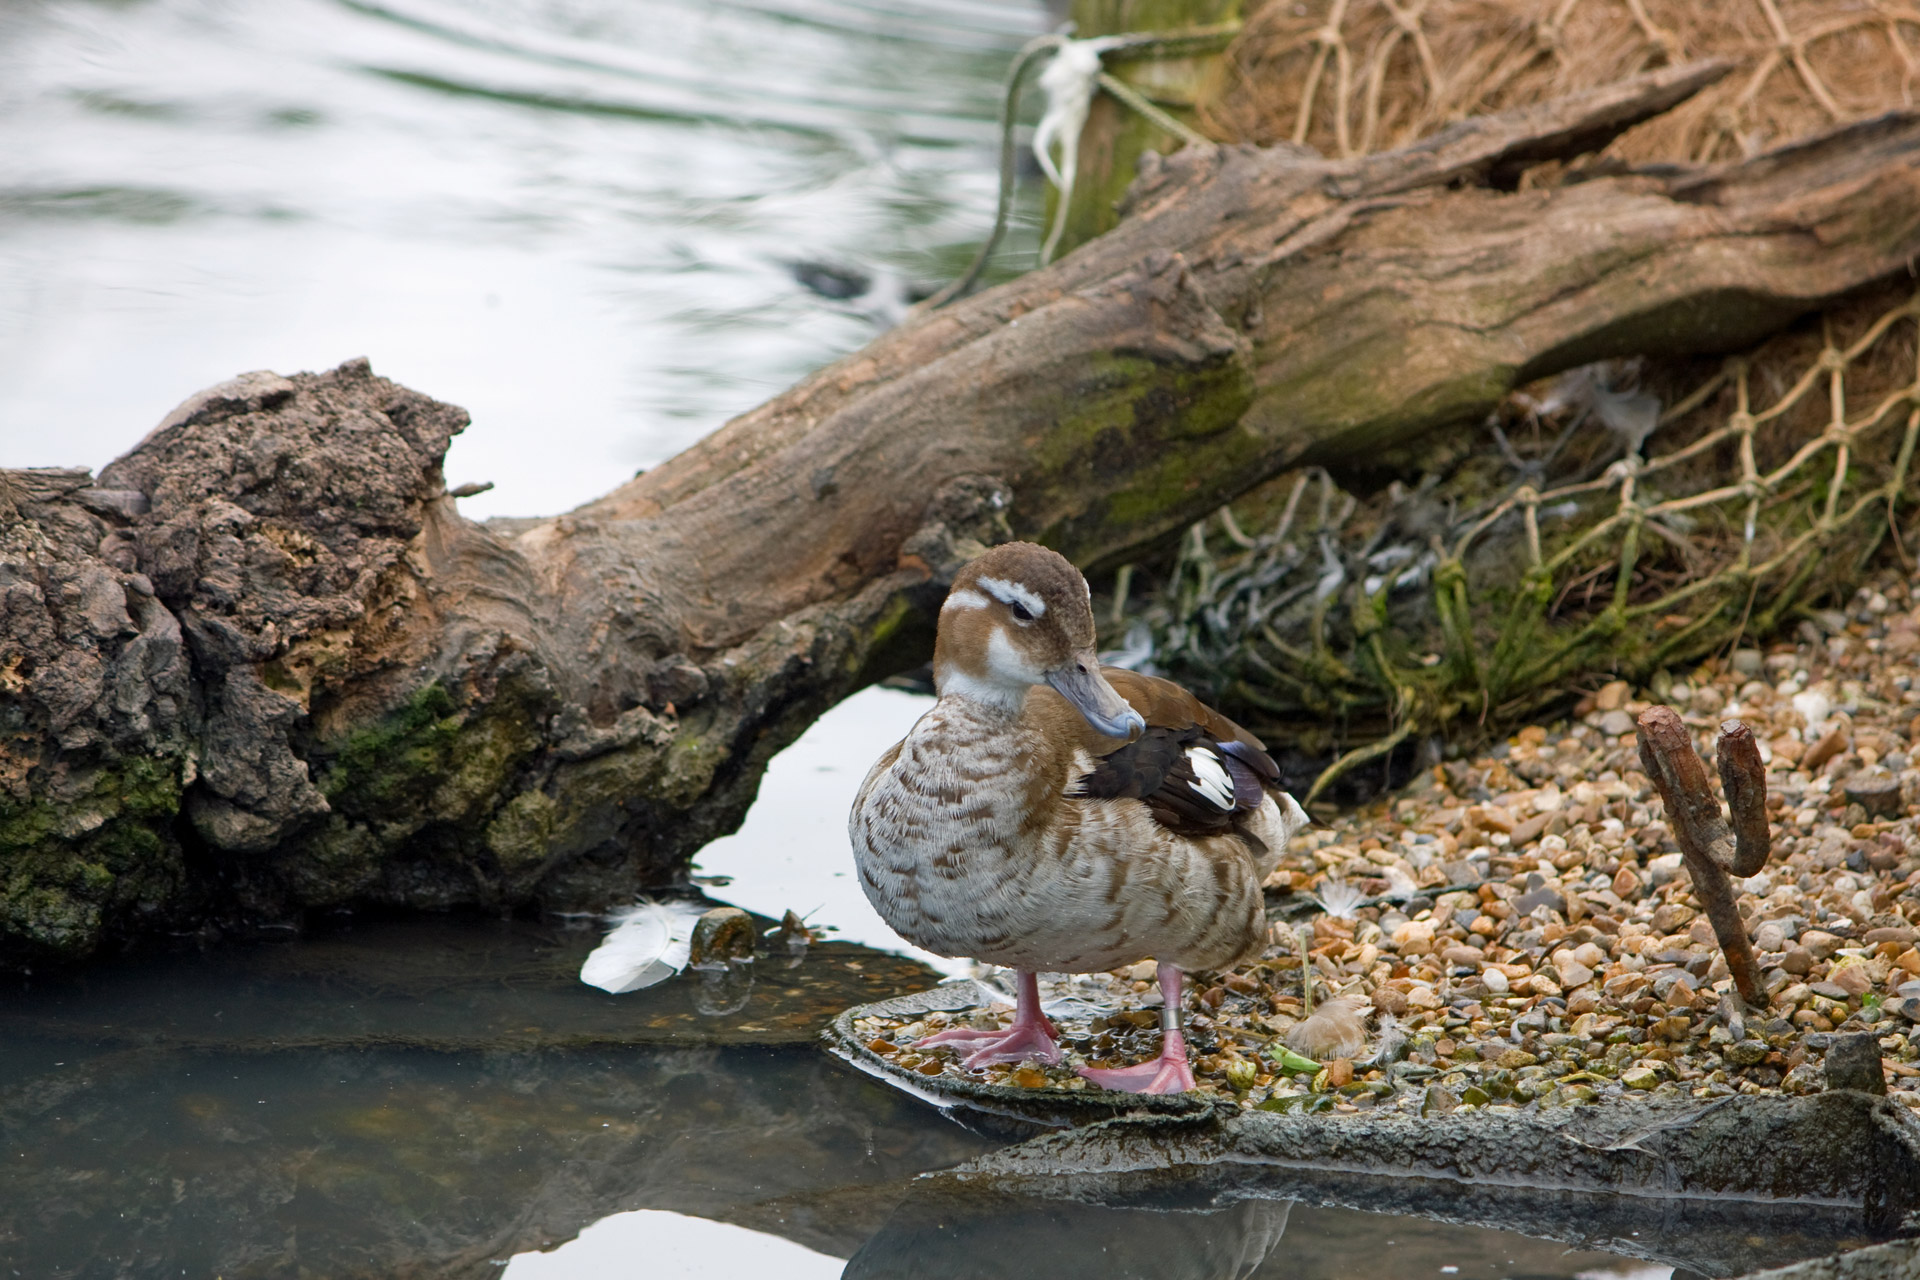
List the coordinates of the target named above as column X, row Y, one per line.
column 1744, row 779
column 1711, row 850
column 1356, row 757
column 1009, row 108
column 1303, row 935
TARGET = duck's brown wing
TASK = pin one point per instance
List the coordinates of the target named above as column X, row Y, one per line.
column 1197, row 771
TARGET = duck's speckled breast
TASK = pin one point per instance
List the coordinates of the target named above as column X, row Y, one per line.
column 967, row 846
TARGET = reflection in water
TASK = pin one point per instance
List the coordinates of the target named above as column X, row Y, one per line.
column 992, row 1234
column 661, row 1245
column 722, row 989
column 386, row 1162
column 596, row 224
column 947, row 1228
column 440, row 984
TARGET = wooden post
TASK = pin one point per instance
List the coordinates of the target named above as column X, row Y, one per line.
column 1116, row 136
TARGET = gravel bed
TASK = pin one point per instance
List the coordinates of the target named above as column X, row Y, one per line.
column 1518, row 930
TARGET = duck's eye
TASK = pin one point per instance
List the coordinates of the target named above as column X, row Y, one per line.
column 1020, row 611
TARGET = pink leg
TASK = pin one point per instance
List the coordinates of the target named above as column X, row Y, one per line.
column 1169, row 1072
column 1029, row 1035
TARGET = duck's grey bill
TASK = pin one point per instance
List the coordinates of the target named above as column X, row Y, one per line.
column 1098, row 701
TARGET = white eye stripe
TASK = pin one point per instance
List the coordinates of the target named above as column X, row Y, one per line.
column 1014, row 593
column 964, row 599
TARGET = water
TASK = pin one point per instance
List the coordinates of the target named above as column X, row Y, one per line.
column 588, row 222
column 442, row 1098
column 791, row 852
column 579, row 219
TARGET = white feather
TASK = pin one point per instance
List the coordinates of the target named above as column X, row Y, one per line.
column 1210, row 778
column 649, row 943
column 1339, row 899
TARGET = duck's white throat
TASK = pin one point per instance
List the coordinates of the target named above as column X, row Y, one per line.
column 1002, row 686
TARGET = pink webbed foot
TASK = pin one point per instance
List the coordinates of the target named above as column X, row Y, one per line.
column 1015, row 1043
column 1168, row 1073
column 1029, row 1035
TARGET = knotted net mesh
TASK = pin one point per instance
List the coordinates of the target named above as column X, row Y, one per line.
column 1618, row 520
column 1622, row 518
column 1354, row 76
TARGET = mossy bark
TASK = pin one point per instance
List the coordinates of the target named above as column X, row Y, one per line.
column 262, row 665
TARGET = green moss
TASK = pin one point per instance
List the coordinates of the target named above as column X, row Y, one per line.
column 589, row 799
column 67, row 865
column 430, row 761
column 1174, row 427
column 689, row 767
column 491, row 745
column 384, row 763
column 897, row 614
column 431, row 774
column 521, row 834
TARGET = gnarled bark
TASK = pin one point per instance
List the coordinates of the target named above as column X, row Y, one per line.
column 262, row 664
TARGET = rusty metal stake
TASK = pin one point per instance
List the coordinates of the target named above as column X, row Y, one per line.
column 1713, row 852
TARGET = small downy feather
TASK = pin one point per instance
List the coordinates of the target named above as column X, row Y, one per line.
column 1393, row 1042
column 649, row 943
column 1337, row 1029
column 1339, row 899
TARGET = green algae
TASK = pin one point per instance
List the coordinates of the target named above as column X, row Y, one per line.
column 391, row 760
column 103, row 848
column 1168, row 424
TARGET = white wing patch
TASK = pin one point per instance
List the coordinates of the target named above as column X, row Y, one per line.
column 1210, row 778
column 1014, row 593
column 964, row 599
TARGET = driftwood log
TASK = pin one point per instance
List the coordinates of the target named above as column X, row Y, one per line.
column 261, row 665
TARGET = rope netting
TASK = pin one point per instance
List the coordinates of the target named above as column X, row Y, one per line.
column 1622, row 518
column 1356, row 76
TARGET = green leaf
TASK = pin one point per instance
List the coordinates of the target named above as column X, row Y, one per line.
column 1290, row 1062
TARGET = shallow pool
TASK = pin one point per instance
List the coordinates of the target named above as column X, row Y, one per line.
column 444, row 1098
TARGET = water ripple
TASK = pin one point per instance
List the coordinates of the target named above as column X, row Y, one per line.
column 591, row 222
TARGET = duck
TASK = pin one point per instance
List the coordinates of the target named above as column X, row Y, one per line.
column 1050, row 814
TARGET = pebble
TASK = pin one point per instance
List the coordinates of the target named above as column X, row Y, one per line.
column 1640, row 1078
column 1876, row 791
column 1853, row 1062
column 1616, row 724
